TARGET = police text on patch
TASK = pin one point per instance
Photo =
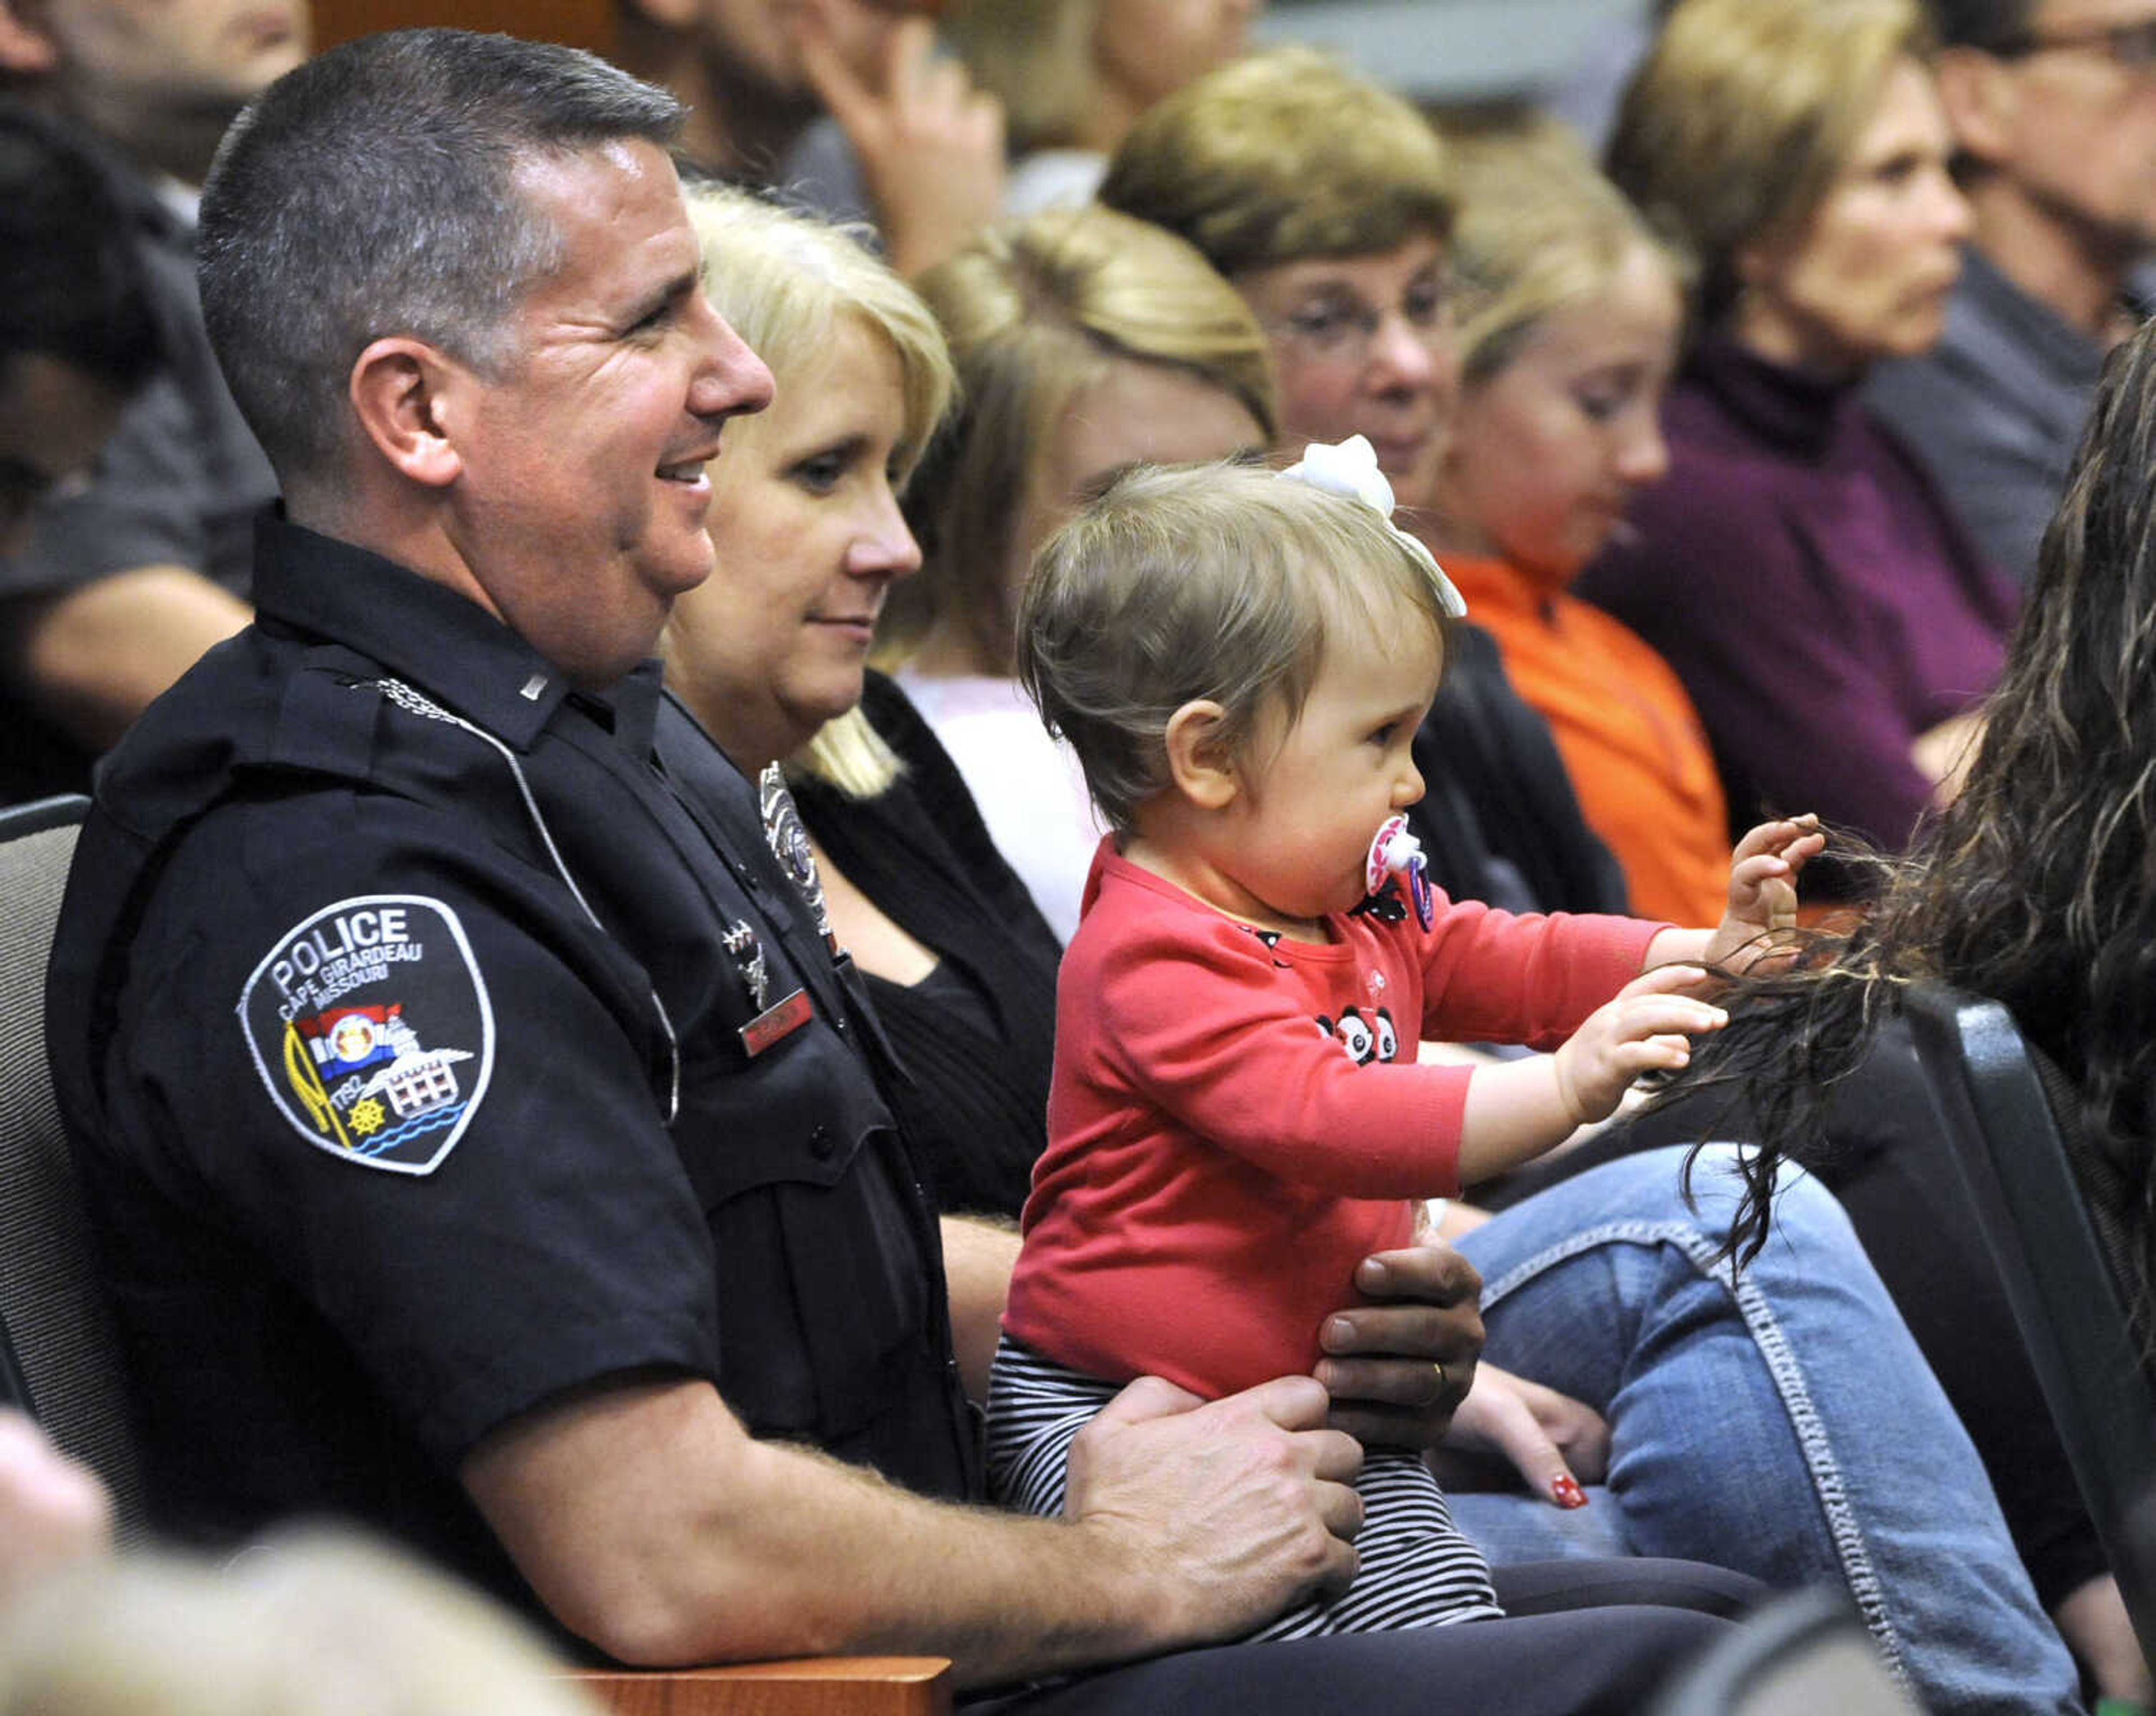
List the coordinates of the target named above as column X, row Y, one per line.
column 332, row 959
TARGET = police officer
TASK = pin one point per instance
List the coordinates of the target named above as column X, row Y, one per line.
column 487, row 1142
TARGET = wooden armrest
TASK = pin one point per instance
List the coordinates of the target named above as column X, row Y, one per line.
column 810, row 1686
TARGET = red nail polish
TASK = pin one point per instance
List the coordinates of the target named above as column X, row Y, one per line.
column 1567, row 1492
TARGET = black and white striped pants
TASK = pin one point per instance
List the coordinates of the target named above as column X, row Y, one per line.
column 1416, row 1567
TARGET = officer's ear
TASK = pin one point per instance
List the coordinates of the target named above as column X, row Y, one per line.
column 1200, row 761
column 407, row 395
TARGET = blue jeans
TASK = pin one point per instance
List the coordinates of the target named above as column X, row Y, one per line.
column 1788, row 1428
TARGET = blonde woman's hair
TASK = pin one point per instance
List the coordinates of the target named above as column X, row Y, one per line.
column 786, row 282
column 1036, row 311
column 316, row 1623
column 1036, row 58
column 1734, row 128
column 1281, row 156
column 1540, row 231
column 1222, row 582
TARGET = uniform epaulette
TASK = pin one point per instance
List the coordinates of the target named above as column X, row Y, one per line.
column 322, row 726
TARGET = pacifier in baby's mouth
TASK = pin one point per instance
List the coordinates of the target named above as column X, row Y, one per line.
column 1396, row 852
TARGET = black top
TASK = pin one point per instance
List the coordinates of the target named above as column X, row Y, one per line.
column 979, row 1035
column 397, row 1015
column 1498, row 819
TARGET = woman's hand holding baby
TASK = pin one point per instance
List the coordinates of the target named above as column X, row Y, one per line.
column 1556, row 1443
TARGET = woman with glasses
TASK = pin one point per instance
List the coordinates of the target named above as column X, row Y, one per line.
column 1328, row 204
column 1831, row 619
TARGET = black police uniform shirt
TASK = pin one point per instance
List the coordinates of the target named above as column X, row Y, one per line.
column 423, row 1031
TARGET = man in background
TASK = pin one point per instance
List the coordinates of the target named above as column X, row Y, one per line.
column 121, row 586
column 2053, row 107
column 75, row 333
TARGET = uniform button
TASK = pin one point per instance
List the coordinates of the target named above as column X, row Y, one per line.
column 821, row 1144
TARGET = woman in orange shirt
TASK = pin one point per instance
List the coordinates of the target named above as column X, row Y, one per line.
column 1570, row 310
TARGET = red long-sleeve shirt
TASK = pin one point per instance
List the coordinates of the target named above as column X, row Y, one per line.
column 1230, row 1131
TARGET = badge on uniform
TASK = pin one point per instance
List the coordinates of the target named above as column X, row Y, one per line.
column 789, row 840
column 771, row 1022
column 369, row 1024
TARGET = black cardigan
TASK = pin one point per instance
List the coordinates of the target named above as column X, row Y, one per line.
column 1499, row 810
column 977, row 1109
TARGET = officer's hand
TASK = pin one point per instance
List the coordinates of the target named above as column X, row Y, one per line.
column 1218, row 1515
column 1397, row 1370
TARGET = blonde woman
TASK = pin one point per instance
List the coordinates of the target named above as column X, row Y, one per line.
column 770, row 655
column 1798, row 148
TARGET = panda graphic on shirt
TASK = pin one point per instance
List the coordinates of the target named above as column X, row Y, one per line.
column 1365, row 1036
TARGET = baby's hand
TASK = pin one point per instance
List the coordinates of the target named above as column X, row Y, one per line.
column 1763, row 888
column 1644, row 1028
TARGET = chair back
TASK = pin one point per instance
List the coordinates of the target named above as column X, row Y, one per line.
column 59, row 1360
column 2016, row 1132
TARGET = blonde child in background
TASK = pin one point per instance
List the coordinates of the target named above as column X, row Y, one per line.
column 1237, row 1116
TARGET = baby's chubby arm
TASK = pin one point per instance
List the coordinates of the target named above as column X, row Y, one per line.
column 1517, row 1109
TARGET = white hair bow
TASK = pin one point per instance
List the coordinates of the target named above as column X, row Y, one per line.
column 1350, row 467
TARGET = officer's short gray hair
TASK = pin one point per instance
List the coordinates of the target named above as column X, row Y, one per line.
column 371, row 192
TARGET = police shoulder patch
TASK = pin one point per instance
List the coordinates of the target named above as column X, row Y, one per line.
column 369, row 1024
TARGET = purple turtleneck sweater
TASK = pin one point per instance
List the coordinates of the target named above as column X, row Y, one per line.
column 1811, row 589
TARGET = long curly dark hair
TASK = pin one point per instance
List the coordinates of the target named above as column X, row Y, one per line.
column 2037, row 886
